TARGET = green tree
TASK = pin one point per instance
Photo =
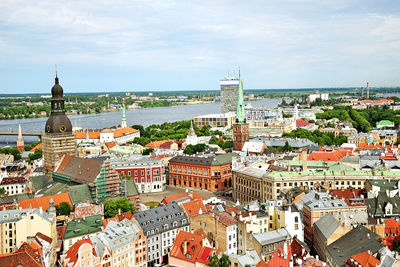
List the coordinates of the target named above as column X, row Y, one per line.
column 112, row 207
column 222, row 261
column 36, row 155
column 287, row 147
column 64, row 208
column 189, row 150
column 213, row 140
column 3, row 191
column 147, row 151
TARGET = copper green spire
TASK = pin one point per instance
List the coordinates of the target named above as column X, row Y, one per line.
column 240, row 115
column 123, row 122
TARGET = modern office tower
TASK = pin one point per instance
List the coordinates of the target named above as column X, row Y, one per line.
column 58, row 139
column 229, row 94
column 240, row 128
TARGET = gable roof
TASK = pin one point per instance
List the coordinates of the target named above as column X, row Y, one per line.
column 194, row 248
column 194, row 195
column 83, row 135
column 84, row 226
column 365, row 259
column 326, row 226
column 194, row 207
column 25, row 256
column 81, row 169
column 72, row 253
column 124, row 131
column 335, row 155
column 43, row 202
column 344, row 247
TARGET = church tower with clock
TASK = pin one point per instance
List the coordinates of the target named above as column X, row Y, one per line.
column 58, row 139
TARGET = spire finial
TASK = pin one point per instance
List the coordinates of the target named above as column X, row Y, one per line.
column 56, row 73
column 239, row 72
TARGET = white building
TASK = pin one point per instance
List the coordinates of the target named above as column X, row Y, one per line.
column 231, row 239
column 13, row 185
column 106, row 136
column 191, row 138
column 312, row 97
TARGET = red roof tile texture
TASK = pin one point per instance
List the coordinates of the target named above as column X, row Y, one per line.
column 24, row 256
column 364, row 259
column 194, row 207
column 335, row 155
column 189, row 247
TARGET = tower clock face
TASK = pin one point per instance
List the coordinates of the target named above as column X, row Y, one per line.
column 48, row 128
column 63, row 128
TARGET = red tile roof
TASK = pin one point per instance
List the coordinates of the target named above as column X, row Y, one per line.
column 12, row 180
column 24, row 256
column 126, row 215
column 157, row 144
column 81, row 169
column 347, row 193
column 392, row 231
column 364, row 259
column 72, row 253
column 193, row 207
column 194, row 248
column 278, row 259
column 301, row 123
column 335, row 155
column 225, row 218
column 43, row 202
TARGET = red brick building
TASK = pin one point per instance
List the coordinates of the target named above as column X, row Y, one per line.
column 210, row 173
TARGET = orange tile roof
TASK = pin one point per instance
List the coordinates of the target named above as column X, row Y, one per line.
column 156, row 144
column 168, row 200
column 126, row 215
column 123, row 131
column 365, row 259
column 37, row 147
column 392, row 227
column 261, row 263
column 193, row 207
column 82, row 135
column 43, row 202
column 194, row 248
column 346, row 193
column 278, row 260
column 335, row 155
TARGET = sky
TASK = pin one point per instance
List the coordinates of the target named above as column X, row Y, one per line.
column 159, row 45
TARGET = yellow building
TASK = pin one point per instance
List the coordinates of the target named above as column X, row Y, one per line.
column 19, row 226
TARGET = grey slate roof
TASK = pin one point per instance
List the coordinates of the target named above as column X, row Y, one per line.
column 39, row 182
column 326, row 226
column 15, row 215
column 116, row 235
column 280, row 142
column 205, row 160
column 10, row 199
column 376, row 206
column 358, row 240
column 271, row 236
column 156, row 218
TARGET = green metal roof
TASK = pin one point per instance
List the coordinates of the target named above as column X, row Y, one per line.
column 131, row 188
column 224, row 158
column 79, row 193
column 277, row 174
column 385, row 122
column 38, row 182
column 88, row 225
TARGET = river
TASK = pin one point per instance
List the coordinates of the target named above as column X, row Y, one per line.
column 143, row 116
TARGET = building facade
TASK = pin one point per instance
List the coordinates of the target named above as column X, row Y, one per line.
column 148, row 174
column 19, row 226
column 229, row 94
column 13, row 185
column 210, row 173
column 160, row 226
column 215, row 120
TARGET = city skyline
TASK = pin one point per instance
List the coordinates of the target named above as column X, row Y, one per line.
column 173, row 45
